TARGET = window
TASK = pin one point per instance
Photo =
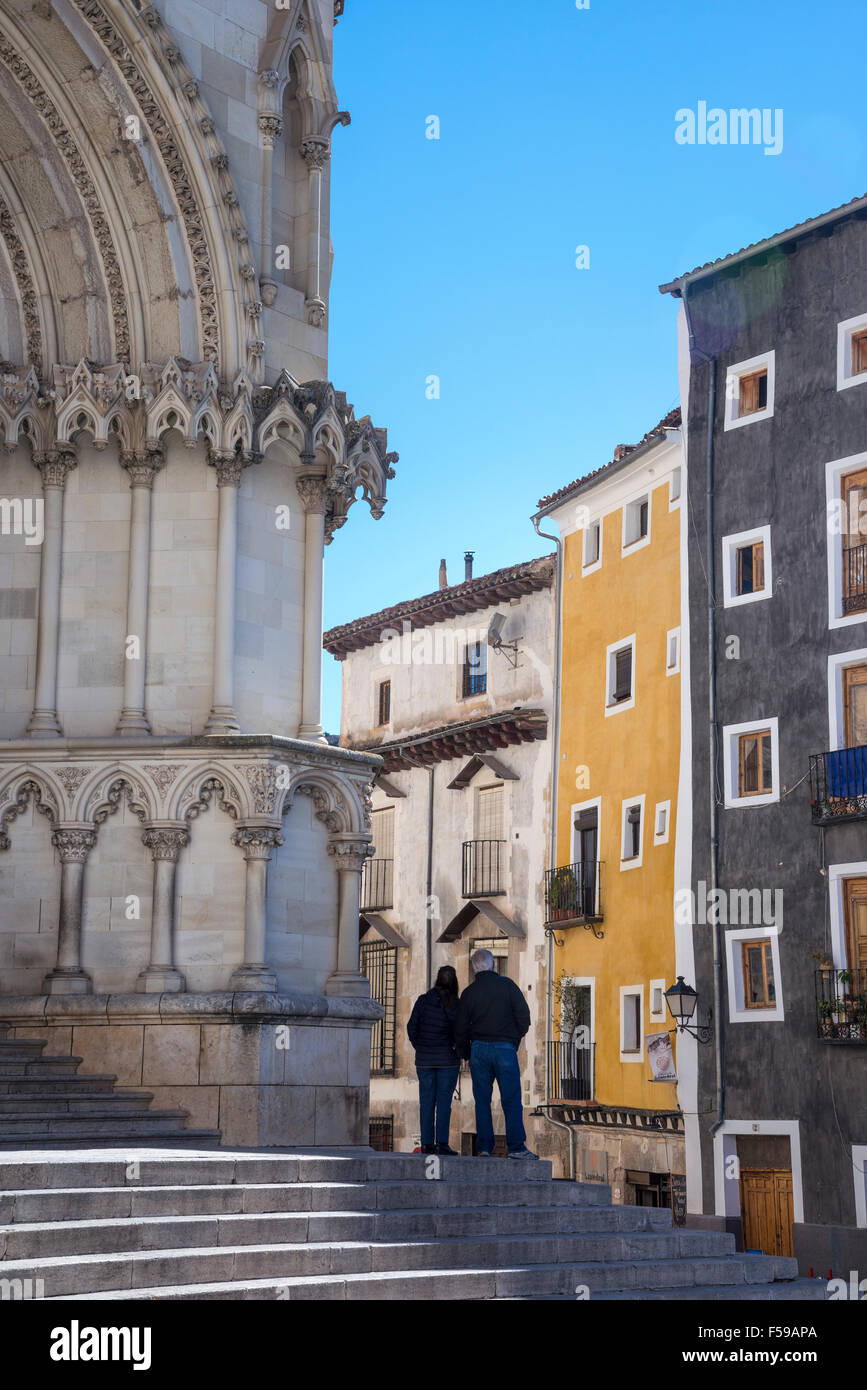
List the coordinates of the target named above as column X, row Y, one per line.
column 384, row 703
column 484, row 856
column 632, row 834
column 854, row 510
column 592, row 553
column 620, row 677
column 749, row 391
column 381, row 1133
column 377, row 876
column 661, row 822
column 751, row 764
column 489, row 812
column 758, row 966
column 672, row 652
column 636, row 521
column 746, row 561
column 657, row 1001
column 585, row 855
column 674, row 487
column 630, row 1023
column 754, row 759
column 499, row 949
column 378, row 961
column 475, row 676
column 852, row 352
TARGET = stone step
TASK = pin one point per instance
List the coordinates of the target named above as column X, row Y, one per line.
column 133, row 1199
column 11, row 1048
column 677, row 1278
column 545, row 1225
column 50, row 1085
column 554, row 1266
column 25, row 1170
column 25, row 1103
column 39, row 1066
column 124, row 1123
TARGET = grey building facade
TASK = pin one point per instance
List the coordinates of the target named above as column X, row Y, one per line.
column 774, row 358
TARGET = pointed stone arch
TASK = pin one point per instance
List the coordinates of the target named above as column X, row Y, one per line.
column 22, row 787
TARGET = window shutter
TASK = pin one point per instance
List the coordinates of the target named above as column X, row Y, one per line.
column 587, row 820
column 758, row 566
column 382, row 826
column 762, row 384
column 642, row 521
column 489, row 813
column 623, row 673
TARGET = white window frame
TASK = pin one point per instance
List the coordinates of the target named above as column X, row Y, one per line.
column 730, row 547
column 845, row 332
column 594, row 803
column 663, row 838
column 590, row 982
column 672, row 634
column 639, row 1055
column 835, row 471
column 738, row 1011
column 727, row 1191
column 859, row 1173
column 597, row 564
column 626, row 805
column 837, row 874
column 612, row 707
column 731, row 758
column 656, row 1015
column 674, row 499
column 627, row 547
column 837, row 664
column 733, row 377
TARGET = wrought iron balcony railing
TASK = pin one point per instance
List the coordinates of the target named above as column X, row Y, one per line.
column 572, row 1073
column 484, row 874
column 573, row 893
column 377, row 885
column 855, row 579
column 841, row 1005
column 838, row 785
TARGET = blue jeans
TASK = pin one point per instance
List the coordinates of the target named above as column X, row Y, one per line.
column 498, row 1062
column 436, row 1086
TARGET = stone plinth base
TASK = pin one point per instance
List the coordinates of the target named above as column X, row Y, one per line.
column 267, row 1070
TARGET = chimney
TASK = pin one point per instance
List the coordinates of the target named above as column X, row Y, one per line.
column 444, row 579
column 468, row 564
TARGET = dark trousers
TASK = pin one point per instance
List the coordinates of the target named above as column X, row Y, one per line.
column 436, row 1087
column 490, row 1062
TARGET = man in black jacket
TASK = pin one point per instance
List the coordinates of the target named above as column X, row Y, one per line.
column 491, row 1020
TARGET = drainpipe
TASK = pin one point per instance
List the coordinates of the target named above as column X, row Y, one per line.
column 429, row 891
column 713, row 752
column 552, row 840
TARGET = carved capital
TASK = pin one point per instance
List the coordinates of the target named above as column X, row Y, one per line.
column 269, row 77
column 229, row 468
column 142, row 469
column 73, row 846
column 313, row 493
column 166, row 843
column 55, row 466
column 315, row 153
column 270, row 128
column 350, row 853
column 257, row 841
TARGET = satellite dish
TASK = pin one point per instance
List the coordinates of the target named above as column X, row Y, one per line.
column 495, row 630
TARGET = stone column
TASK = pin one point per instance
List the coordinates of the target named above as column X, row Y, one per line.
column 165, row 844
column 350, row 852
column 316, row 154
column 314, row 497
column 222, row 718
column 257, row 842
column 54, row 467
column 271, row 128
column 73, row 846
column 142, row 471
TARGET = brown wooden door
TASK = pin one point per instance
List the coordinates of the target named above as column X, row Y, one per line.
column 855, row 901
column 766, row 1207
column 855, row 705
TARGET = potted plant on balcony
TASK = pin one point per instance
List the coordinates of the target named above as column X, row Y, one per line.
column 563, row 895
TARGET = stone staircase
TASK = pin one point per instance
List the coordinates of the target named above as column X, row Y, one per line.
column 139, row 1223
column 44, row 1101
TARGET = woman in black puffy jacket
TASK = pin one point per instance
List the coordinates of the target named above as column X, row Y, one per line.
column 430, row 1031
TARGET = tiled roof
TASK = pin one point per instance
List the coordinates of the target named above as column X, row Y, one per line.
column 458, row 740
column 755, row 248
column 468, row 597
column 671, row 421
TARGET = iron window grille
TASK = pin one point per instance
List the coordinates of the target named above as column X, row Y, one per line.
column 382, row 1133
column 484, row 868
column 475, row 676
column 379, row 964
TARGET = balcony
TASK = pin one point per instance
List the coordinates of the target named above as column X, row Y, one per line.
column 573, row 895
column 377, row 885
column 854, row 579
column 484, row 871
column 838, row 785
column 841, row 1005
column 571, row 1071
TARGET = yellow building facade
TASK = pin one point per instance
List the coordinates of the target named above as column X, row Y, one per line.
column 610, row 890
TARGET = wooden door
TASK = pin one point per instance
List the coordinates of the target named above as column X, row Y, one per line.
column 766, row 1207
column 855, row 705
column 855, row 903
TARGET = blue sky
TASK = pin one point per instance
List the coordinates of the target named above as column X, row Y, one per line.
column 456, row 257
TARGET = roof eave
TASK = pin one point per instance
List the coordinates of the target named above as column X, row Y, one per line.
column 584, row 485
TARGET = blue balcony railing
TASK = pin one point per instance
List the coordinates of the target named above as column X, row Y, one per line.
column 838, row 785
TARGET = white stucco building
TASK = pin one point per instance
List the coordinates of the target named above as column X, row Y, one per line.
column 460, row 810
column 180, row 849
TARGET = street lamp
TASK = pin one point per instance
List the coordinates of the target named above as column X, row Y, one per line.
column 682, row 1000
